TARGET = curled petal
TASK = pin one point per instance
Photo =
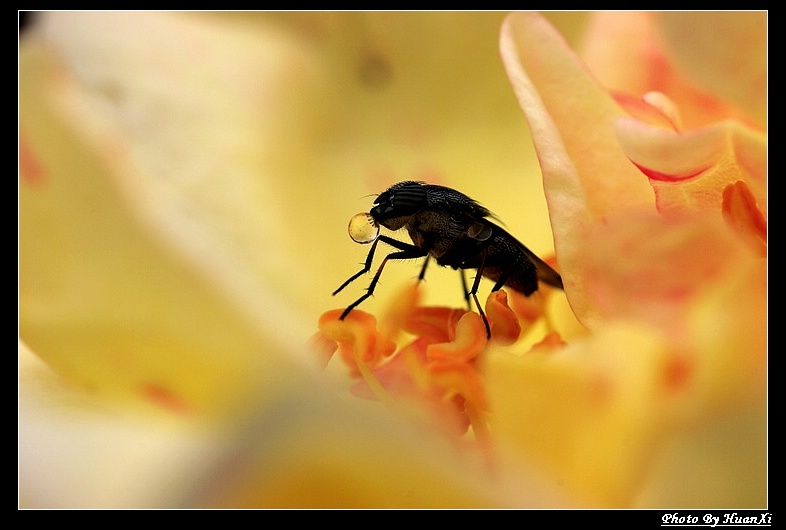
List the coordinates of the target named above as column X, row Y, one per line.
column 436, row 323
column 469, row 341
column 742, row 212
column 357, row 336
column 666, row 106
column 689, row 171
column 528, row 309
column 653, row 108
column 505, row 326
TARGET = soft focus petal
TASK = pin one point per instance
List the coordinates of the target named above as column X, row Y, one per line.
column 724, row 53
column 684, row 340
column 713, row 64
column 605, row 419
column 77, row 450
column 579, row 412
column 712, row 310
column 328, row 456
column 728, row 328
column 719, row 462
column 122, row 288
column 308, row 451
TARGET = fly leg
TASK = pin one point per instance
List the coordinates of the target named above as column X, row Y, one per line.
column 474, row 293
column 465, row 288
column 406, row 251
column 364, row 270
column 502, row 279
column 423, row 270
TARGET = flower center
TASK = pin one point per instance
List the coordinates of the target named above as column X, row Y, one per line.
column 437, row 364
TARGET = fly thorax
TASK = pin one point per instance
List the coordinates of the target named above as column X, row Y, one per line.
column 395, row 223
column 418, row 238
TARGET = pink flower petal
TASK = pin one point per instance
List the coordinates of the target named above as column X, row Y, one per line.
column 654, row 108
column 723, row 53
column 690, row 170
column 648, row 268
column 586, row 175
column 680, row 54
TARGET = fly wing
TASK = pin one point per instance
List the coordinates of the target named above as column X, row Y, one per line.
column 545, row 272
column 455, row 203
column 479, row 231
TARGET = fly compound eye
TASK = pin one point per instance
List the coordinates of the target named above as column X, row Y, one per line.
column 400, row 200
column 408, row 197
column 363, row 228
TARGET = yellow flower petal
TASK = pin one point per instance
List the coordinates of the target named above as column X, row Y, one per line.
column 584, row 413
column 121, row 289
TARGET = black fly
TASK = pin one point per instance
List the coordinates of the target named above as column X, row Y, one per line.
column 453, row 229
